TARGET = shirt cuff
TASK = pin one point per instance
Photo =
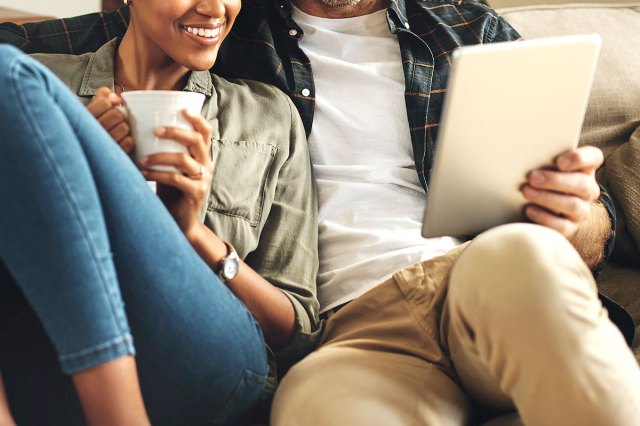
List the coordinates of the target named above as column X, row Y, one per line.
column 607, row 202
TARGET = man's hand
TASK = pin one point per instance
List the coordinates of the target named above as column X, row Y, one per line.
column 103, row 108
column 565, row 199
column 562, row 198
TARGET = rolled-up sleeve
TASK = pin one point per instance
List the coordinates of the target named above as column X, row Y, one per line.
column 287, row 254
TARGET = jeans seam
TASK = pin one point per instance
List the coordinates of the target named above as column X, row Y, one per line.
column 127, row 338
column 24, row 105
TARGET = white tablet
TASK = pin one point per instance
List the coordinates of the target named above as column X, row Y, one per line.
column 510, row 108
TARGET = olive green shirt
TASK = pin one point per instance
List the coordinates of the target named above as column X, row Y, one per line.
column 262, row 197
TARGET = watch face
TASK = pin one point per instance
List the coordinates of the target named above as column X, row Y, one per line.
column 230, row 267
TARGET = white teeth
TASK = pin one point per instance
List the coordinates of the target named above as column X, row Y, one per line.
column 203, row 32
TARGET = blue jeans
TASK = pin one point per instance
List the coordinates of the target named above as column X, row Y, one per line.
column 95, row 266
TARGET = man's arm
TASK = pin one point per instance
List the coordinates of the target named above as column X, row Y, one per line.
column 591, row 238
column 76, row 35
column 566, row 199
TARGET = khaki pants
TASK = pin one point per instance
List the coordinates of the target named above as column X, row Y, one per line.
column 509, row 321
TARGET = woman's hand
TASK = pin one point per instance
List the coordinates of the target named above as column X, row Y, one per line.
column 103, row 107
column 193, row 178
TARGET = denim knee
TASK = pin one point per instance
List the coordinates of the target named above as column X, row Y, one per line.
column 8, row 54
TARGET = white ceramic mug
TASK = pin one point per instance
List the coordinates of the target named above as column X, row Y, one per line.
column 149, row 109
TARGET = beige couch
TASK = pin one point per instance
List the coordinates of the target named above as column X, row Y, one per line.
column 612, row 123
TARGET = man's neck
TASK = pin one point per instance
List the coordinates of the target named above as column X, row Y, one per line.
column 336, row 9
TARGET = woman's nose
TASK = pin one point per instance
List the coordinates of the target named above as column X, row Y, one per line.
column 213, row 8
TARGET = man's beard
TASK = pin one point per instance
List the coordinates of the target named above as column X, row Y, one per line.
column 340, row 3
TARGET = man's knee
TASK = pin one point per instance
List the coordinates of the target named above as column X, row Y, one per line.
column 520, row 243
column 518, row 264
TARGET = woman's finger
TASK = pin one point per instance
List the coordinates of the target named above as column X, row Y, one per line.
column 184, row 163
column 191, row 139
column 120, row 132
column 98, row 106
column 112, row 118
column 200, row 125
column 127, row 144
column 103, row 100
column 194, row 190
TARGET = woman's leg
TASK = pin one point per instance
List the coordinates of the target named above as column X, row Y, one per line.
column 74, row 193
column 36, row 232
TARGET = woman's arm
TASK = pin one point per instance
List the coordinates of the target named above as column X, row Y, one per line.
column 268, row 304
column 282, row 295
column 184, row 194
column 273, row 310
column 5, row 413
column 287, row 254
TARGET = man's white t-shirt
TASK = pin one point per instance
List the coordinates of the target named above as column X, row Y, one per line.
column 371, row 202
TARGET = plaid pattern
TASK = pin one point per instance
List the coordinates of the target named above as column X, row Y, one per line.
column 263, row 46
column 80, row 34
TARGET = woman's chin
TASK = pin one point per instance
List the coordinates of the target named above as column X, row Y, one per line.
column 202, row 64
column 201, row 68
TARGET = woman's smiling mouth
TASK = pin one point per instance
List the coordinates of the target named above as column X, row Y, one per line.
column 206, row 33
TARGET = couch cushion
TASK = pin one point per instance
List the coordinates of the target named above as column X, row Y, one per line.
column 618, row 283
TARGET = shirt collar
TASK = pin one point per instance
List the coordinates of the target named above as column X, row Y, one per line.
column 99, row 73
column 200, row 82
column 396, row 14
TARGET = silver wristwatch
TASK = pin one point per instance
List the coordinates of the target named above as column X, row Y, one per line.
column 230, row 264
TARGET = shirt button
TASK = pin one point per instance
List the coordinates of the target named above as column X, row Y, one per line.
column 306, row 92
column 293, row 32
column 406, row 25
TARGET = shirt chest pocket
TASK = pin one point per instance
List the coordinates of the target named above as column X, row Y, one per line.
column 241, row 179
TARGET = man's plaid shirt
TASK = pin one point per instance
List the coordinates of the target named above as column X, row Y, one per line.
column 263, row 45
